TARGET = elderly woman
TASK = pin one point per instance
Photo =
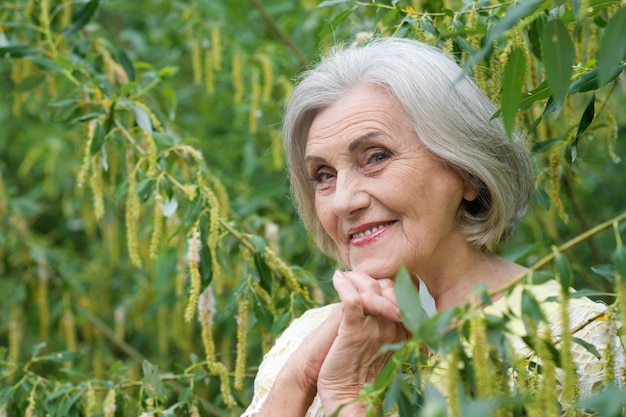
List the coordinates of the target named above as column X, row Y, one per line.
column 395, row 160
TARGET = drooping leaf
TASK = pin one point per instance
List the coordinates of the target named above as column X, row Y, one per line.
column 512, row 82
column 82, row 17
column 585, row 122
column 607, row 402
column 612, row 46
column 618, row 259
column 591, row 80
column 152, row 384
column 411, row 310
column 126, row 64
column 16, row 51
column 558, row 57
column 143, row 119
column 63, row 356
column 563, row 271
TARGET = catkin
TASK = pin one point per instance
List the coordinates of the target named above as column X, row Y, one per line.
column 31, row 409
column 132, row 213
column 206, row 311
column 89, row 401
column 216, row 48
column 242, row 330
column 546, row 399
column 15, row 332
column 482, row 364
column 109, row 406
column 609, row 350
column 209, row 75
column 237, row 77
column 254, row 112
column 268, row 77
column 43, row 303
column 196, row 60
column 454, row 386
column 554, row 183
column 570, row 380
column 95, row 183
column 157, row 226
column 280, row 268
column 84, row 167
column 193, row 264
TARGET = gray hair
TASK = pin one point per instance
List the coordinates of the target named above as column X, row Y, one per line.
column 451, row 117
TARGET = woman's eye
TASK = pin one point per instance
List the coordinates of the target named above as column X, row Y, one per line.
column 322, row 176
column 379, row 156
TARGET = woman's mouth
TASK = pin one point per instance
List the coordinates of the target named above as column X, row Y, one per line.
column 370, row 231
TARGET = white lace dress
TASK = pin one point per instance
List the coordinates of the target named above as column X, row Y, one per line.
column 590, row 369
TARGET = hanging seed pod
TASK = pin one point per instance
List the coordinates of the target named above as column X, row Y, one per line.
column 216, row 48
column 157, row 226
column 209, row 75
column 84, row 167
column 254, row 113
column 243, row 307
column 109, row 406
column 268, row 77
column 95, row 183
column 237, row 77
column 132, row 213
column 193, row 264
column 196, row 60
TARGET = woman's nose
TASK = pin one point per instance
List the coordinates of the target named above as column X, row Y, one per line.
column 350, row 197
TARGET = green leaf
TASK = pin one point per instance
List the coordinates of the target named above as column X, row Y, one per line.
column 411, row 310
column 63, row 356
column 98, row 139
column 152, row 384
column 612, row 46
column 585, row 122
column 143, row 119
column 607, row 403
column 512, row 82
column 539, row 93
column 126, row 64
column 330, row 3
column 618, row 259
column 605, row 271
column 16, row 51
column 544, row 145
column 563, row 271
column 82, row 17
column 5, row 395
column 591, row 80
column 531, row 307
column 558, row 57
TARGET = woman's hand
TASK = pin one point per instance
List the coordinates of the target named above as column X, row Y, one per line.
column 370, row 320
column 296, row 385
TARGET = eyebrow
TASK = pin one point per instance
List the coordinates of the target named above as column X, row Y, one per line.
column 355, row 144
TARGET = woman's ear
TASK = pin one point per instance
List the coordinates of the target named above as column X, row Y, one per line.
column 471, row 188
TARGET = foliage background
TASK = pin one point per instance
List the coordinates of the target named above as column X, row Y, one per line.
column 104, row 197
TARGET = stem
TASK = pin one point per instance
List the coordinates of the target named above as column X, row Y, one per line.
column 564, row 247
column 279, row 32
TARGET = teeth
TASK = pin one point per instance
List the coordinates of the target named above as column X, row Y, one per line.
column 368, row 231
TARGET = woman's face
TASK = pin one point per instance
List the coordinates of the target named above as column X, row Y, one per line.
column 381, row 197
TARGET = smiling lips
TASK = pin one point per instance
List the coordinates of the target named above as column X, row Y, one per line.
column 372, row 232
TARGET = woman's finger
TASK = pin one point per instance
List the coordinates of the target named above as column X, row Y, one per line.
column 363, row 298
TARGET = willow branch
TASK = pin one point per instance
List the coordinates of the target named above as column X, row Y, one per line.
column 562, row 248
column 269, row 20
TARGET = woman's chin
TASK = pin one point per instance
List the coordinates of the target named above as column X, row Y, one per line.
column 376, row 270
